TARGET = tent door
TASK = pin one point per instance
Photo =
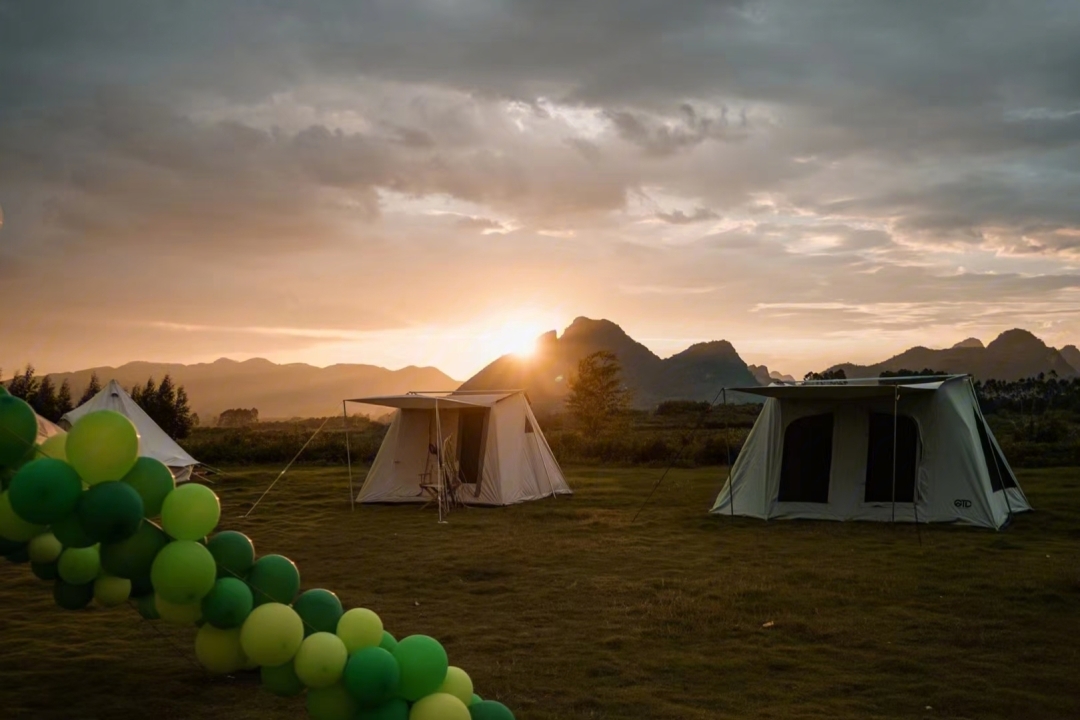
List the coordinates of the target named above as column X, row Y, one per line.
column 472, row 434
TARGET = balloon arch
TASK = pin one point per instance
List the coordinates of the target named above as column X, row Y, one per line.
column 79, row 508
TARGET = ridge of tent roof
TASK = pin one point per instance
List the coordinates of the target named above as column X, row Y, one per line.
column 853, row 388
column 444, row 399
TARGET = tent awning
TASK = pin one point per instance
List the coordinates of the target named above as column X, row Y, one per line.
column 430, row 402
column 841, row 391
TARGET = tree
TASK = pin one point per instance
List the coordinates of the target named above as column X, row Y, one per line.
column 63, row 401
column 597, row 393
column 92, row 389
column 24, row 386
column 167, row 405
column 837, row 374
column 44, row 400
column 238, row 417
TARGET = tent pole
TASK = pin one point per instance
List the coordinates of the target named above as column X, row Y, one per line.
column 727, row 443
column 896, row 404
column 439, row 458
column 348, row 453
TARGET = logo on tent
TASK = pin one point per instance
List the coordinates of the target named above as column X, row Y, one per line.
column 962, row 503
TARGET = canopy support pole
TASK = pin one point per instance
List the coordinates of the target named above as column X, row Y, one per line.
column 348, row 453
column 439, row 459
column 727, row 443
column 896, row 405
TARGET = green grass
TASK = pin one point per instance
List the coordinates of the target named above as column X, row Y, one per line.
column 565, row 609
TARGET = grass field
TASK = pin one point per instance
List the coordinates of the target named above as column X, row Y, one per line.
column 565, row 609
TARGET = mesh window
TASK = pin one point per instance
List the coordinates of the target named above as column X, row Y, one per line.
column 807, row 462
column 1000, row 477
column 879, row 458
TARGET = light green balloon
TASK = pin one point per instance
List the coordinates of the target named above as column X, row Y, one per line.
column 13, row 527
column 190, row 512
column 79, row 566
column 183, row 572
column 219, row 650
column 111, row 591
column 331, row 703
column 45, row 548
column 54, row 447
column 272, row 634
column 176, row 614
column 360, row 628
column 459, row 684
column 102, row 446
column 320, row 660
column 439, row 706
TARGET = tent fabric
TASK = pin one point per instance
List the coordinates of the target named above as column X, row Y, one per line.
column 953, row 476
column 512, row 460
column 153, row 441
column 46, row 429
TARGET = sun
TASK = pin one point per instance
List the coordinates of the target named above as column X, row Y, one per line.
column 510, row 337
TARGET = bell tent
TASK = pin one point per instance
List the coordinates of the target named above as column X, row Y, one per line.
column 485, row 448
column 887, row 449
column 153, row 441
column 46, row 429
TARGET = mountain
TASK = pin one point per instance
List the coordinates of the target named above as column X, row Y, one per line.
column 1071, row 356
column 696, row 373
column 1013, row 355
column 277, row 391
column 764, row 376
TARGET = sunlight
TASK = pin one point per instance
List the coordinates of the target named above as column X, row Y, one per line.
column 514, row 337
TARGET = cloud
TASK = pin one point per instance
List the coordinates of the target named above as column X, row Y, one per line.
column 678, row 217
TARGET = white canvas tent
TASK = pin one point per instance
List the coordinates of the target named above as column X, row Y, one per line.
column 491, row 442
column 153, row 441
column 46, row 429
column 892, row 450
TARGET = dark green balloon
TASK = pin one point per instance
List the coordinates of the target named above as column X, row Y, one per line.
column 133, row 557
column 45, row 571
column 228, row 604
column 153, row 481
column 274, row 578
column 320, row 610
column 73, row 597
column 372, row 676
column 490, row 710
column 396, row 709
column 423, row 664
column 45, row 490
column 18, row 430
column 233, row 552
column 19, row 555
column 70, row 532
column 110, row 511
column 4, row 391
column 147, row 606
column 10, row 546
column 281, row 680
column 388, row 642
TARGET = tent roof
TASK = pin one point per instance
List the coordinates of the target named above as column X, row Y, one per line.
column 429, row 401
column 856, row 389
column 153, row 441
column 46, row 429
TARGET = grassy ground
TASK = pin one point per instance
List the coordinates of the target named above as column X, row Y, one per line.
column 565, row 609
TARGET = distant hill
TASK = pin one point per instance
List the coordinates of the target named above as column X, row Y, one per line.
column 696, row 373
column 766, row 376
column 278, row 391
column 1013, row 355
column 1071, row 356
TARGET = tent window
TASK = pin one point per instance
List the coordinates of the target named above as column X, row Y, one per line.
column 879, row 458
column 1000, row 477
column 807, row 462
column 471, row 425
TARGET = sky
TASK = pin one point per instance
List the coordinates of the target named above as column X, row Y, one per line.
column 406, row 182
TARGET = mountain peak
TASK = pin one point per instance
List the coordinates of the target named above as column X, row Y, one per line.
column 1016, row 338
column 971, row 342
column 711, row 348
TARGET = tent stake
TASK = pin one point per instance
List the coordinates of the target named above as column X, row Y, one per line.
column 348, row 454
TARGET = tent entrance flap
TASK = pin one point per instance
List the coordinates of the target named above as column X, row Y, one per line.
column 879, row 458
column 807, row 461
column 472, row 433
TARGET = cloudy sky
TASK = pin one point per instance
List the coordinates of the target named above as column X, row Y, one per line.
column 407, row 182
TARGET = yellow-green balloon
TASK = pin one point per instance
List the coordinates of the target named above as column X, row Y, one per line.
column 331, row 703
column 54, row 447
column 190, row 512
column 13, row 527
column 177, row 614
column 219, row 650
column 79, row 566
column 320, row 660
column 102, row 446
column 183, row 572
column 439, row 706
column 111, row 591
column 360, row 628
column 45, row 548
column 272, row 634
column 459, row 684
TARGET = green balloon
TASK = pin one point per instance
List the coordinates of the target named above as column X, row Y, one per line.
column 233, row 552
column 490, row 710
column 153, row 481
column 102, row 446
column 272, row 634
column 228, row 604
column 45, row 571
column 147, row 606
column 18, row 430
column 4, row 391
column 396, row 709
column 331, row 703
column 320, row 610
column 475, row 699
column 14, row 527
column 132, row 558
column 190, row 512
column 111, row 511
column 388, row 642
column 274, row 578
column 183, row 572
column 372, row 677
column 70, row 532
column 423, row 664
column 45, row 548
column 73, row 597
column 19, row 556
column 321, row 659
column 281, row 680
column 142, row 586
column 45, row 490
column 79, row 566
